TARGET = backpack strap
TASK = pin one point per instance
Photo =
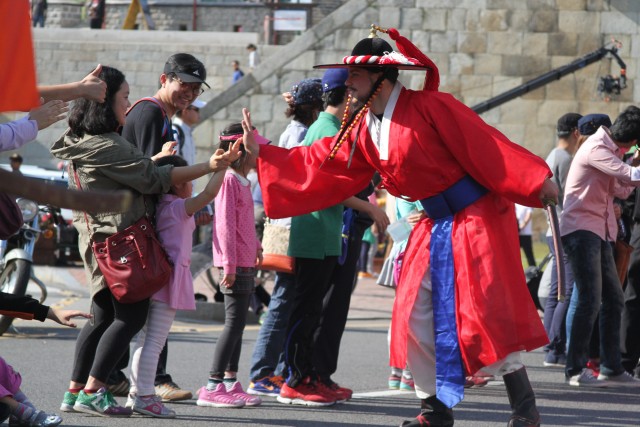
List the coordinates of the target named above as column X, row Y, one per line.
column 178, row 134
column 166, row 123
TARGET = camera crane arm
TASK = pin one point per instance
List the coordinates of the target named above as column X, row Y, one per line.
column 608, row 84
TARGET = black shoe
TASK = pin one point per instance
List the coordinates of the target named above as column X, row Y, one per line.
column 434, row 414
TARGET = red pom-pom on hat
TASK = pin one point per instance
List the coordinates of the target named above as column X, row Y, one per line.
column 432, row 80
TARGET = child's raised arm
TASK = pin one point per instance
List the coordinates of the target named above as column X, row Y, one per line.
column 194, row 204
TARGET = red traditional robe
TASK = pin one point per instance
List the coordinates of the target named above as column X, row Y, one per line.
column 426, row 142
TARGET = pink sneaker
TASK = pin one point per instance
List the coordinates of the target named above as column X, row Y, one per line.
column 237, row 392
column 218, row 398
column 407, row 384
column 151, row 405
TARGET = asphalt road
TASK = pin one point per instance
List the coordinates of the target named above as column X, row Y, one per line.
column 42, row 353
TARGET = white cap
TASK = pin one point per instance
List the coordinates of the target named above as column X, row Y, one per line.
column 198, row 103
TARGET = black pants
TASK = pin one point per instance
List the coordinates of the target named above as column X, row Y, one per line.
column 527, row 246
column 227, row 353
column 104, row 340
column 5, row 411
column 312, row 281
column 335, row 307
column 629, row 331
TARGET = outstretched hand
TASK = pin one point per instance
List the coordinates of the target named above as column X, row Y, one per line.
column 248, row 139
column 49, row 113
column 168, row 149
column 92, row 87
column 64, row 316
column 221, row 160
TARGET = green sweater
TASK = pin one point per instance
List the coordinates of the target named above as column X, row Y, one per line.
column 318, row 234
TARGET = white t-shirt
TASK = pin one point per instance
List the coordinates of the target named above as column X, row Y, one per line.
column 521, row 214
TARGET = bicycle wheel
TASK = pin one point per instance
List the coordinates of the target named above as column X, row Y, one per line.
column 13, row 280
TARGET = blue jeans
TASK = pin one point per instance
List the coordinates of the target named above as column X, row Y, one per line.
column 555, row 313
column 599, row 289
column 268, row 353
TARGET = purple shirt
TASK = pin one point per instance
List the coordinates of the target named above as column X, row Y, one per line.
column 17, row 133
column 175, row 230
column 596, row 176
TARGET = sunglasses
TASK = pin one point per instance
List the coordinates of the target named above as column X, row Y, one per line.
column 196, row 109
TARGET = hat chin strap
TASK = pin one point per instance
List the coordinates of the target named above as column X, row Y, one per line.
column 350, row 120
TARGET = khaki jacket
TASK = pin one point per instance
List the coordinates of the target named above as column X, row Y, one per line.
column 109, row 162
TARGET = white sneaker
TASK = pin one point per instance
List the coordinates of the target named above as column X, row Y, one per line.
column 623, row 380
column 586, row 379
column 152, row 406
column 131, row 401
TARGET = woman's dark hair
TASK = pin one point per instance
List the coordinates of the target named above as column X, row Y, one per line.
column 174, row 160
column 305, row 113
column 627, row 126
column 92, row 117
column 233, row 129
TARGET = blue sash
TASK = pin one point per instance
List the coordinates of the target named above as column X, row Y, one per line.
column 441, row 208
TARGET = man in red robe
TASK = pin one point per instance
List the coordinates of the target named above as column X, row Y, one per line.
column 462, row 303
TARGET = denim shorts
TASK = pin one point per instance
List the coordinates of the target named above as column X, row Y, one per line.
column 245, row 281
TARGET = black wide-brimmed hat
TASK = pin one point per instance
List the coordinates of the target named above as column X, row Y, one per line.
column 374, row 52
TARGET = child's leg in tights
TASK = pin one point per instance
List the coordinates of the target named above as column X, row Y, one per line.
column 13, row 402
column 227, row 352
column 148, row 346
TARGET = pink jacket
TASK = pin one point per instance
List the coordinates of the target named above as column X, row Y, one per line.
column 596, row 176
column 234, row 235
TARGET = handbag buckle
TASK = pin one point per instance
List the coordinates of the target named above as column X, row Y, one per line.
column 123, row 260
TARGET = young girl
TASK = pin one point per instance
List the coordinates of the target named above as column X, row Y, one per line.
column 175, row 225
column 236, row 250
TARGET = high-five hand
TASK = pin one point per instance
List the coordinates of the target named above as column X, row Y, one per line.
column 249, row 141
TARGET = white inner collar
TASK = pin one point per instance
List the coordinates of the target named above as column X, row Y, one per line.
column 379, row 129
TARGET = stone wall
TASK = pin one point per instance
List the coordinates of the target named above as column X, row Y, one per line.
column 177, row 15
column 482, row 47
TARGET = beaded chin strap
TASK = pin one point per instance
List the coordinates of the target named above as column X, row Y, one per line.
column 347, row 124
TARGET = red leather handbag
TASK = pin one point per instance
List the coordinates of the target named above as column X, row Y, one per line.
column 133, row 262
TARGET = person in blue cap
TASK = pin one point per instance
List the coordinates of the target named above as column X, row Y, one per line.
column 304, row 103
column 316, row 244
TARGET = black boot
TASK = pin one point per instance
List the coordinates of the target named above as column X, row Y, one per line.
column 434, row 414
column 521, row 399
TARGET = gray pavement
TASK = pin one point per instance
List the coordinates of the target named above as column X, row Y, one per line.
column 42, row 352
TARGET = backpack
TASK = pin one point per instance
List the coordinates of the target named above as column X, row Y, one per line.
column 165, row 119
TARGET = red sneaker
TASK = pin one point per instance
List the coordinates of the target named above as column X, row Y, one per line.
column 342, row 393
column 306, row 393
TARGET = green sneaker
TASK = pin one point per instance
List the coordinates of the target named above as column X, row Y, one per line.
column 68, row 401
column 100, row 403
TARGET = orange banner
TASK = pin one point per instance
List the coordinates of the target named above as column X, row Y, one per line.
column 18, row 91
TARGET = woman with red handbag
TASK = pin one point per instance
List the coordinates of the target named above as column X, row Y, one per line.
column 102, row 159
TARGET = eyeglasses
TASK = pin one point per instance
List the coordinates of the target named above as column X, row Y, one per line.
column 196, row 88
